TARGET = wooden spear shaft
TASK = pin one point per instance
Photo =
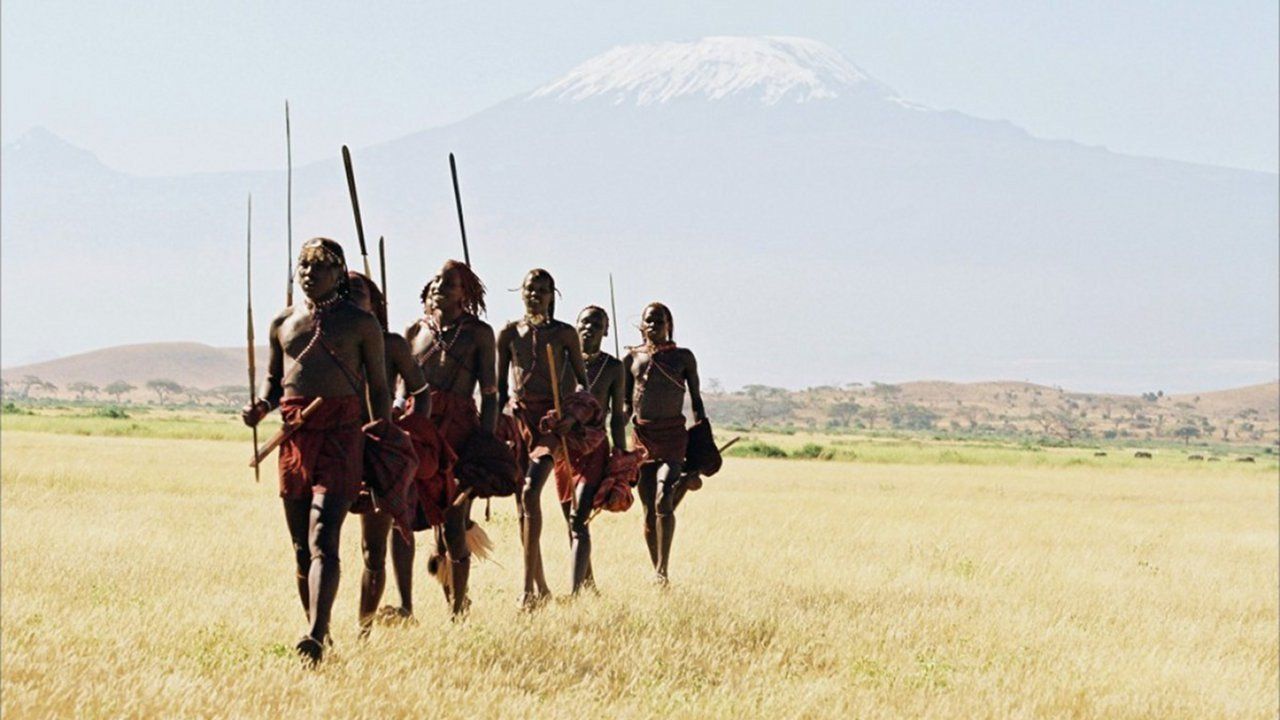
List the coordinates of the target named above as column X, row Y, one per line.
column 253, row 391
column 613, row 307
column 382, row 265
column 355, row 209
column 288, row 184
column 457, row 198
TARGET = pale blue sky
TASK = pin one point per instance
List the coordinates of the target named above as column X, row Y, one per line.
column 161, row 88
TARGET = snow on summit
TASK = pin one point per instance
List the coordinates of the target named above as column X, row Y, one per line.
column 768, row 69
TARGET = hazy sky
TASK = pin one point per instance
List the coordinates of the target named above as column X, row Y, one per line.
column 160, row 88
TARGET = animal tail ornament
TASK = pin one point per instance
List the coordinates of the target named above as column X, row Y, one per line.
column 438, row 565
column 478, row 541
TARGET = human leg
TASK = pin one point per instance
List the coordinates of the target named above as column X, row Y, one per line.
column 327, row 515
column 297, row 515
column 668, row 473
column 580, row 532
column 647, row 489
column 535, row 583
column 373, row 546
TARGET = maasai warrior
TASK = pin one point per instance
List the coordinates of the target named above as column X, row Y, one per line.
column 330, row 344
column 455, row 350
column 658, row 373
column 522, row 351
column 577, row 482
column 375, row 526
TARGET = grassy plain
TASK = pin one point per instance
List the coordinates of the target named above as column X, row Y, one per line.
column 149, row 576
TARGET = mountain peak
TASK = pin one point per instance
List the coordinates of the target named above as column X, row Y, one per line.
column 768, row 70
column 41, row 148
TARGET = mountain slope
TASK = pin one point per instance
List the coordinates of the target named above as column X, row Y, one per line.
column 806, row 224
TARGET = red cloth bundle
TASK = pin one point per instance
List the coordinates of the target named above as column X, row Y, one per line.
column 622, row 472
column 702, row 456
column 435, row 486
column 389, row 467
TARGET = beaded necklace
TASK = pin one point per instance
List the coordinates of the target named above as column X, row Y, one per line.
column 591, row 381
column 438, row 332
column 652, row 350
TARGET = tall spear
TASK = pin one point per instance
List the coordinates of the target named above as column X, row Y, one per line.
column 457, row 198
column 248, row 274
column 355, row 208
column 466, row 253
column 288, row 145
column 613, row 306
column 382, row 264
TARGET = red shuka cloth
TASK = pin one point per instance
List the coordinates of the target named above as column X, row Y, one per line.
column 587, row 446
column 455, row 417
column 528, row 413
column 662, row 440
column 433, row 481
column 325, row 455
column 390, row 464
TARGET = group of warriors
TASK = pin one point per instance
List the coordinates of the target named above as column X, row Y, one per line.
column 387, row 426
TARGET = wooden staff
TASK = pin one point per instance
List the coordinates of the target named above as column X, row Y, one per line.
column 288, row 184
column 355, row 209
column 284, row 433
column 253, row 391
column 555, row 394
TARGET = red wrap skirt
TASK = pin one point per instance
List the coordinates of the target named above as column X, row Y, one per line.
column 325, row 455
column 529, row 413
column 661, row 441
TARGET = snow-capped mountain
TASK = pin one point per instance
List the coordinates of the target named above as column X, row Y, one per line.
column 804, row 222
column 769, row 70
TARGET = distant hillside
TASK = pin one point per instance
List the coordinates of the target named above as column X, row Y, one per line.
column 1239, row 415
column 186, row 363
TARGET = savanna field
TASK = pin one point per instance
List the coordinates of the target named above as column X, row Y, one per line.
column 145, row 574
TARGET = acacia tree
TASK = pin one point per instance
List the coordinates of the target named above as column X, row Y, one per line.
column 1186, row 432
column 163, row 389
column 118, row 388
column 80, row 387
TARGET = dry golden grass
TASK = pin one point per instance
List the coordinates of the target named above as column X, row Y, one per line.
column 151, row 577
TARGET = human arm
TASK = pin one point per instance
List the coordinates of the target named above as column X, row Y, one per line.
column 573, row 351
column 628, row 383
column 373, row 357
column 490, row 390
column 412, row 382
column 617, row 400
column 504, row 363
column 695, row 386
column 272, row 388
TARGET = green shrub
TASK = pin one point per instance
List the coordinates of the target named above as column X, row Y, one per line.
column 755, row 448
column 111, row 411
column 11, row 409
column 814, row 451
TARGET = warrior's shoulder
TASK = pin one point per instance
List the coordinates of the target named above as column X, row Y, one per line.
column 611, row 361
column 475, row 324
column 391, row 339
